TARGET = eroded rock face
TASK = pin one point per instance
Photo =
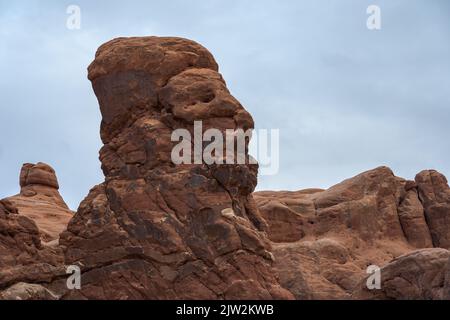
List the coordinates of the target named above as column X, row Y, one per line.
column 324, row 240
column 412, row 218
column 39, row 200
column 435, row 195
column 159, row 230
column 23, row 257
column 153, row 229
column 287, row 213
column 420, row 275
column 27, row 291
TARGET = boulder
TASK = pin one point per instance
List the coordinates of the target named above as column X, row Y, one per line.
column 418, row 275
column 27, row 291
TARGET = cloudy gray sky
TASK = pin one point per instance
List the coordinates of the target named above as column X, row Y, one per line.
column 346, row 99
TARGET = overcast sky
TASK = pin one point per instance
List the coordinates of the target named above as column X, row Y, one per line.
column 346, row 99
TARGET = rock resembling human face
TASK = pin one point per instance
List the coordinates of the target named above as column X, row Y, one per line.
column 149, row 87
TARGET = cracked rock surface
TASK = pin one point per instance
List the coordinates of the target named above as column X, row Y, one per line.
column 39, row 200
column 155, row 230
column 324, row 240
column 24, row 257
column 159, row 230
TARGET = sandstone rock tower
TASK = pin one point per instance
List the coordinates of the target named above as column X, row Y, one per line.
column 39, row 200
column 30, row 223
column 155, row 230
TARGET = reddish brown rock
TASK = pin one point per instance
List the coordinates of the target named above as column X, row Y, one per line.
column 287, row 213
column 446, row 291
column 153, row 229
column 39, row 200
column 159, row 230
column 434, row 193
column 23, row 257
column 412, row 219
column 27, row 291
column 364, row 207
column 323, row 240
column 39, row 174
column 420, row 275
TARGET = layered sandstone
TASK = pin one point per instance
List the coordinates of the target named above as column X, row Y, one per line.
column 24, row 258
column 155, row 230
column 159, row 230
column 39, row 200
column 324, row 240
column 434, row 193
column 418, row 275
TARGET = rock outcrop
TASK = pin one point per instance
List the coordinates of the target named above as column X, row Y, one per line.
column 27, row 291
column 161, row 229
column 153, row 229
column 419, row 275
column 24, row 258
column 324, row 240
column 434, row 193
column 39, row 200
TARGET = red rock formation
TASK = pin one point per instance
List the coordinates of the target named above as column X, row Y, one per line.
column 40, row 200
column 23, row 257
column 30, row 224
column 155, row 230
column 412, row 218
column 434, row 193
column 323, row 240
column 158, row 230
column 419, row 275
